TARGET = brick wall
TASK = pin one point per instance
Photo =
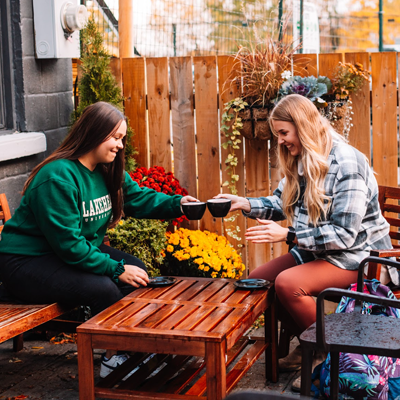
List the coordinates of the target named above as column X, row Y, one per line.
column 42, row 98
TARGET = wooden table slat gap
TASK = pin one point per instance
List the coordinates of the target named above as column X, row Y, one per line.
column 210, row 291
column 135, row 381
column 129, row 365
column 190, row 302
column 119, row 318
column 136, row 319
column 160, row 316
column 195, row 319
column 178, row 384
column 223, row 295
column 178, row 317
column 215, row 318
column 173, row 365
column 193, row 291
column 244, row 364
column 176, row 290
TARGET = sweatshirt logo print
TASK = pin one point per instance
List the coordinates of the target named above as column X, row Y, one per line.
column 97, row 208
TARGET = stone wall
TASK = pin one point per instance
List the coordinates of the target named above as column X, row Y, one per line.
column 42, row 99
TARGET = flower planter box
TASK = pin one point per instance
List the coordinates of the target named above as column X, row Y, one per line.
column 255, row 123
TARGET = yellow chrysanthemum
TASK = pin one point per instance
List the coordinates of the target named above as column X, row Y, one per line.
column 210, row 254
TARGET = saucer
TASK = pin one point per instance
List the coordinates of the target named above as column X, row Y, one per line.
column 161, row 281
column 251, row 283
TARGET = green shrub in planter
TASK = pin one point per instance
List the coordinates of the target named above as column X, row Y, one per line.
column 143, row 238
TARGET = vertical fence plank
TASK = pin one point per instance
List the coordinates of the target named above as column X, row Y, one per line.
column 207, row 131
column 279, row 248
column 384, row 117
column 182, row 113
column 328, row 64
column 360, row 132
column 227, row 93
column 115, row 66
column 257, row 185
column 133, row 74
column 158, row 112
column 305, row 64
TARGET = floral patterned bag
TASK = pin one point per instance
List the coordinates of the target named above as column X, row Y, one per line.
column 364, row 376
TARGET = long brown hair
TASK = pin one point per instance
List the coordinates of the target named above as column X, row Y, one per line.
column 316, row 137
column 97, row 123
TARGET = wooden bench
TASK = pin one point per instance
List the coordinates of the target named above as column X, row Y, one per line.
column 15, row 319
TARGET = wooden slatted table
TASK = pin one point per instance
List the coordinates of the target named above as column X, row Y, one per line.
column 177, row 332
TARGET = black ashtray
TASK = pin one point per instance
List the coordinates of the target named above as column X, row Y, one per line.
column 219, row 207
column 161, row 281
column 251, row 283
column 194, row 210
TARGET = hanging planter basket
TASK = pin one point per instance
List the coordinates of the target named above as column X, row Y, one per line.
column 338, row 112
column 255, row 123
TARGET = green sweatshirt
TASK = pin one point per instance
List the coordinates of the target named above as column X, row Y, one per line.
column 66, row 210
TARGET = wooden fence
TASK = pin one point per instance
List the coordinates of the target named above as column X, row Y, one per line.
column 175, row 105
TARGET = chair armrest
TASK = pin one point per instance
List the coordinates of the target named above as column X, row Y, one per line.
column 385, row 253
column 373, row 259
column 320, row 324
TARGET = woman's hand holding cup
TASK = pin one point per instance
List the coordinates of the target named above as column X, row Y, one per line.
column 238, row 203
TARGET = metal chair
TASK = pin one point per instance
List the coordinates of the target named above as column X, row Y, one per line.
column 350, row 332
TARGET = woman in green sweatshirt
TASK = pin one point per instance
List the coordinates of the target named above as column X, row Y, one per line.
column 51, row 249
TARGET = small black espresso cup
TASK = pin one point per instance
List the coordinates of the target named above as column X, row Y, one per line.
column 219, row 207
column 194, row 210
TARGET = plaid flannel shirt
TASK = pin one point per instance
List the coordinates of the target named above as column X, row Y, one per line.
column 354, row 223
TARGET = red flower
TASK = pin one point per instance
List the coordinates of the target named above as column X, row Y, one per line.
column 157, row 179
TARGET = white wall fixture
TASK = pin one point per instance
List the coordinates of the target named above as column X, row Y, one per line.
column 57, row 24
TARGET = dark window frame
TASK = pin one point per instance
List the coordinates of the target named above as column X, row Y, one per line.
column 7, row 117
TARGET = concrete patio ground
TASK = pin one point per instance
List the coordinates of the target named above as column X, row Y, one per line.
column 46, row 371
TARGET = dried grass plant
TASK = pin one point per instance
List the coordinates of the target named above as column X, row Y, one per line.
column 260, row 62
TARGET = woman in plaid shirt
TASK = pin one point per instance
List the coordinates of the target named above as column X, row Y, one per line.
column 329, row 196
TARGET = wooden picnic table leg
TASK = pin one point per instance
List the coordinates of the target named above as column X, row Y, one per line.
column 85, row 367
column 215, row 370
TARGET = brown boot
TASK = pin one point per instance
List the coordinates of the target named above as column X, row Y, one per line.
column 292, row 362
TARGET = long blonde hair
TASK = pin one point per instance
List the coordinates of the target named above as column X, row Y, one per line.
column 316, row 136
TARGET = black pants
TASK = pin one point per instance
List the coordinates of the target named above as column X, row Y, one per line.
column 48, row 279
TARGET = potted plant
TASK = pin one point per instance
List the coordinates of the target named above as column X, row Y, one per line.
column 347, row 80
column 260, row 68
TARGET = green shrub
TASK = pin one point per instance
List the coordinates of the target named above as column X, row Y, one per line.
column 97, row 83
column 143, row 238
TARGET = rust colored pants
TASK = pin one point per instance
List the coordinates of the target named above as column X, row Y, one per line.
column 296, row 284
